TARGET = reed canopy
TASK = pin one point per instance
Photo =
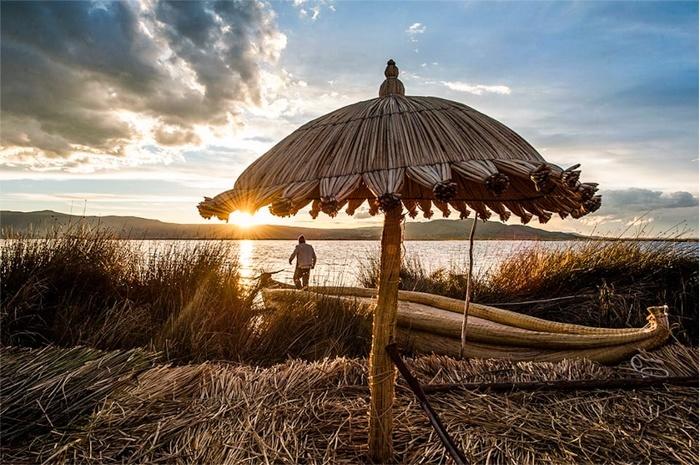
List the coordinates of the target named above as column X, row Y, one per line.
column 423, row 152
column 397, row 152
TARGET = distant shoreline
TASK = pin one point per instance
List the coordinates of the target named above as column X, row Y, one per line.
column 536, row 239
column 48, row 223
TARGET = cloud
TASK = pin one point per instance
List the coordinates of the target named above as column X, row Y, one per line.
column 636, row 199
column 166, row 135
column 362, row 214
column 311, row 9
column 658, row 213
column 600, row 219
column 640, row 220
column 82, row 81
column 476, row 89
column 414, row 30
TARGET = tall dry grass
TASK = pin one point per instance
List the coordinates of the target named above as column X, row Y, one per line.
column 86, row 288
column 594, row 283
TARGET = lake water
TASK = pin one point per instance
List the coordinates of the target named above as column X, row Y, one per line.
column 339, row 261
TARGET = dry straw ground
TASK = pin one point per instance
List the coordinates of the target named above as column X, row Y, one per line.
column 86, row 406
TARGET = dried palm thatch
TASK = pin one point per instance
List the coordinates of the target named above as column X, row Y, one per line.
column 300, row 412
column 422, row 151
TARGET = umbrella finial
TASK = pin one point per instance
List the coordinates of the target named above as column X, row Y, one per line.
column 391, row 85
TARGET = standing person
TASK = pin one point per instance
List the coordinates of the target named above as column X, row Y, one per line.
column 306, row 261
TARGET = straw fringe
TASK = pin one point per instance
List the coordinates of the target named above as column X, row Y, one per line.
column 480, row 184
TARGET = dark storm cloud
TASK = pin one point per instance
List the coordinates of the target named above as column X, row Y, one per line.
column 636, row 200
column 71, row 71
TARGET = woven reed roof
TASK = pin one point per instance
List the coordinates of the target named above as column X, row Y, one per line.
column 422, row 151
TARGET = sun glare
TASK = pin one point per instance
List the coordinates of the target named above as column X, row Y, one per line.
column 242, row 220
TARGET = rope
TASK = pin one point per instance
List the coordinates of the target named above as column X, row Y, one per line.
column 542, row 301
column 649, row 366
column 467, row 298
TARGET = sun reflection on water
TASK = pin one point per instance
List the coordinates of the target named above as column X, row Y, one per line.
column 245, row 257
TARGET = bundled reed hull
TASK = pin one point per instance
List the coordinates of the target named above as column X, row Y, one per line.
column 429, row 323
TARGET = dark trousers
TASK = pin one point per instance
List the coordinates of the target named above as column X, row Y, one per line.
column 301, row 275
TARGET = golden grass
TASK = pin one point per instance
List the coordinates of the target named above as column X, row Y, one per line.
column 312, row 412
column 592, row 283
column 85, row 288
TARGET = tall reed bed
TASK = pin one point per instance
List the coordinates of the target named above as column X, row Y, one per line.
column 86, row 288
column 190, row 302
column 597, row 283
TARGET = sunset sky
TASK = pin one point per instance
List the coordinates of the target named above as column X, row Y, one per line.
column 142, row 108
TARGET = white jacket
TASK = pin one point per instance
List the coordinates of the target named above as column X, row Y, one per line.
column 306, row 257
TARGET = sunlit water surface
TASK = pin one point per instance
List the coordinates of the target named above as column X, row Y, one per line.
column 339, row 262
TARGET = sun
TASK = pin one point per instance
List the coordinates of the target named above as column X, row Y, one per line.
column 242, row 220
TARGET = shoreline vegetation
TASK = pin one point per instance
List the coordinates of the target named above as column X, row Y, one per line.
column 111, row 355
column 86, row 288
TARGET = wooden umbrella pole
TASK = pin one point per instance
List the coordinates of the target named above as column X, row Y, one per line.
column 467, row 298
column 382, row 373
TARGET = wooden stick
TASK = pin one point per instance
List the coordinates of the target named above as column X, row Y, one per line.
column 382, row 374
column 415, row 386
column 548, row 386
column 566, row 385
column 543, row 301
column 469, row 285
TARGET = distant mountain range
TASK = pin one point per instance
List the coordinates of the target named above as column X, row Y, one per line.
column 43, row 223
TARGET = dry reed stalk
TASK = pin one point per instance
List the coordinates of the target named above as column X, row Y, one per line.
column 300, row 412
column 468, row 292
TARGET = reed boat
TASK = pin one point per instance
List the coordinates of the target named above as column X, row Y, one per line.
column 428, row 323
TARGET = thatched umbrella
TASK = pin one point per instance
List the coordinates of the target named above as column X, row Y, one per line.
column 416, row 151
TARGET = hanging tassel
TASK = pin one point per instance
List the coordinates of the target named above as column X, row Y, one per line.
column 389, row 201
column 497, row 183
column 541, row 177
column 330, row 206
column 353, row 205
column 570, row 176
column 281, row 207
column 444, row 191
column 593, row 204
column 373, row 206
column 443, row 207
column 425, row 206
column 411, row 207
column 587, row 190
column 467, row 298
column 461, row 207
column 315, row 209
